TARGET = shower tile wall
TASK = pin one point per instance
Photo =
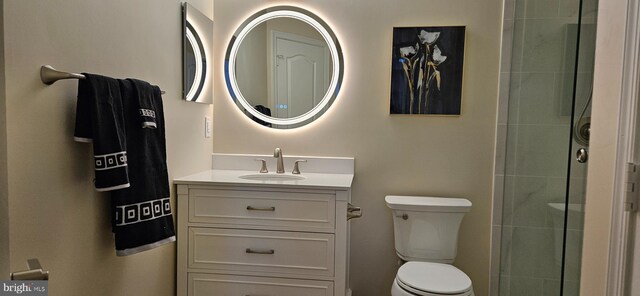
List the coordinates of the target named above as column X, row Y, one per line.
column 538, row 58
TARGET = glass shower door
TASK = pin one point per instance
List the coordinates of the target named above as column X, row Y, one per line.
column 549, row 108
column 579, row 147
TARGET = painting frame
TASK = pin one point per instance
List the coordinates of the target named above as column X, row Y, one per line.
column 427, row 70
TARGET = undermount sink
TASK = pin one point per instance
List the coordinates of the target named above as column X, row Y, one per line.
column 272, row 177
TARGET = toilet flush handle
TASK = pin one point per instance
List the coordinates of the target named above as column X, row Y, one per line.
column 353, row 212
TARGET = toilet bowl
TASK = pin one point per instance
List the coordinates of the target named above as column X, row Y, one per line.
column 430, row 279
column 426, row 236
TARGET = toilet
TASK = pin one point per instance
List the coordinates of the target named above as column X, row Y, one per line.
column 426, row 238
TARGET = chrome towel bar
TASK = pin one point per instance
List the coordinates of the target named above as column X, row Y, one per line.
column 49, row 75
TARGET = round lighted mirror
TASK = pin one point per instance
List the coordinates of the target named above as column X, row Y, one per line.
column 195, row 64
column 284, row 67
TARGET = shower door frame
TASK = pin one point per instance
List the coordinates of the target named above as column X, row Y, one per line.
column 628, row 150
column 622, row 236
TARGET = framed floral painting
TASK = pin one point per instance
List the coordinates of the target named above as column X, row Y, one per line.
column 426, row 70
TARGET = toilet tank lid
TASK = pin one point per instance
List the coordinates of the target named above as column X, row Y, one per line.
column 426, row 203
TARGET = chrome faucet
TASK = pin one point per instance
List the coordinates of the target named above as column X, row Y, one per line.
column 280, row 167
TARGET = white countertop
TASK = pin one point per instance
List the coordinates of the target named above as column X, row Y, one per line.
column 232, row 177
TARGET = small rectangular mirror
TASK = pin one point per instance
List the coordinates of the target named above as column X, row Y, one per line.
column 197, row 46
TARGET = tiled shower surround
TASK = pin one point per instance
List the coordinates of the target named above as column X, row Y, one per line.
column 533, row 143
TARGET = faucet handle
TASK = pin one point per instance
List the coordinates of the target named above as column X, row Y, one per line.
column 296, row 168
column 263, row 167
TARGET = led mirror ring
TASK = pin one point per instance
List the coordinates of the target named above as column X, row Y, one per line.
column 301, row 15
column 201, row 64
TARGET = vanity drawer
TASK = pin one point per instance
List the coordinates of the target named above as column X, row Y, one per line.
column 263, row 208
column 232, row 285
column 261, row 251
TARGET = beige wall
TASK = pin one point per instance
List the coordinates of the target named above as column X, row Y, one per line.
column 603, row 145
column 56, row 215
column 292, row 26
column 425, row 155
column 252, row 68
column 4, row 210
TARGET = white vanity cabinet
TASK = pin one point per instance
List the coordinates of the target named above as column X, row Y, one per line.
column 257, row 238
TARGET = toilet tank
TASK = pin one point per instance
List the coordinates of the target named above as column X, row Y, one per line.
column 426, row 228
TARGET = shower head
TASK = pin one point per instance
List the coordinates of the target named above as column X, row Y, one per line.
column 582, row 126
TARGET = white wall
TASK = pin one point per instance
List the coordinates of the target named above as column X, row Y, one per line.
column 56, row 215
column 400, row 154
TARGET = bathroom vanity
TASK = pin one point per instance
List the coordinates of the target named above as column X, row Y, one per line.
column 259, row 225
column 241, row 232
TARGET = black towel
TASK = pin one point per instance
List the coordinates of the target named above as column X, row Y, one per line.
column 108, row 114
column 264, row 110
column 142, row 212
column 99, row 119
column 146, row 93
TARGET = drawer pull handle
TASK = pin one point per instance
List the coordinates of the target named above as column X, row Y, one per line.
column 264, row 252
column 266, row 209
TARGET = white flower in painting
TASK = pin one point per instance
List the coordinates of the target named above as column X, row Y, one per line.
column 407, row 51
column 428, row 37
column 438, row 58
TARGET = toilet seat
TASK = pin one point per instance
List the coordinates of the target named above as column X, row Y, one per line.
column 428, row 278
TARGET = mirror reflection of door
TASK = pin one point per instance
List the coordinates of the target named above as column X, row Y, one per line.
column 301, row 74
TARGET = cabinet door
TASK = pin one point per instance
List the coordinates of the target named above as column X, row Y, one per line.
column 233, row 285
column 299, row 210
column 279, row 252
